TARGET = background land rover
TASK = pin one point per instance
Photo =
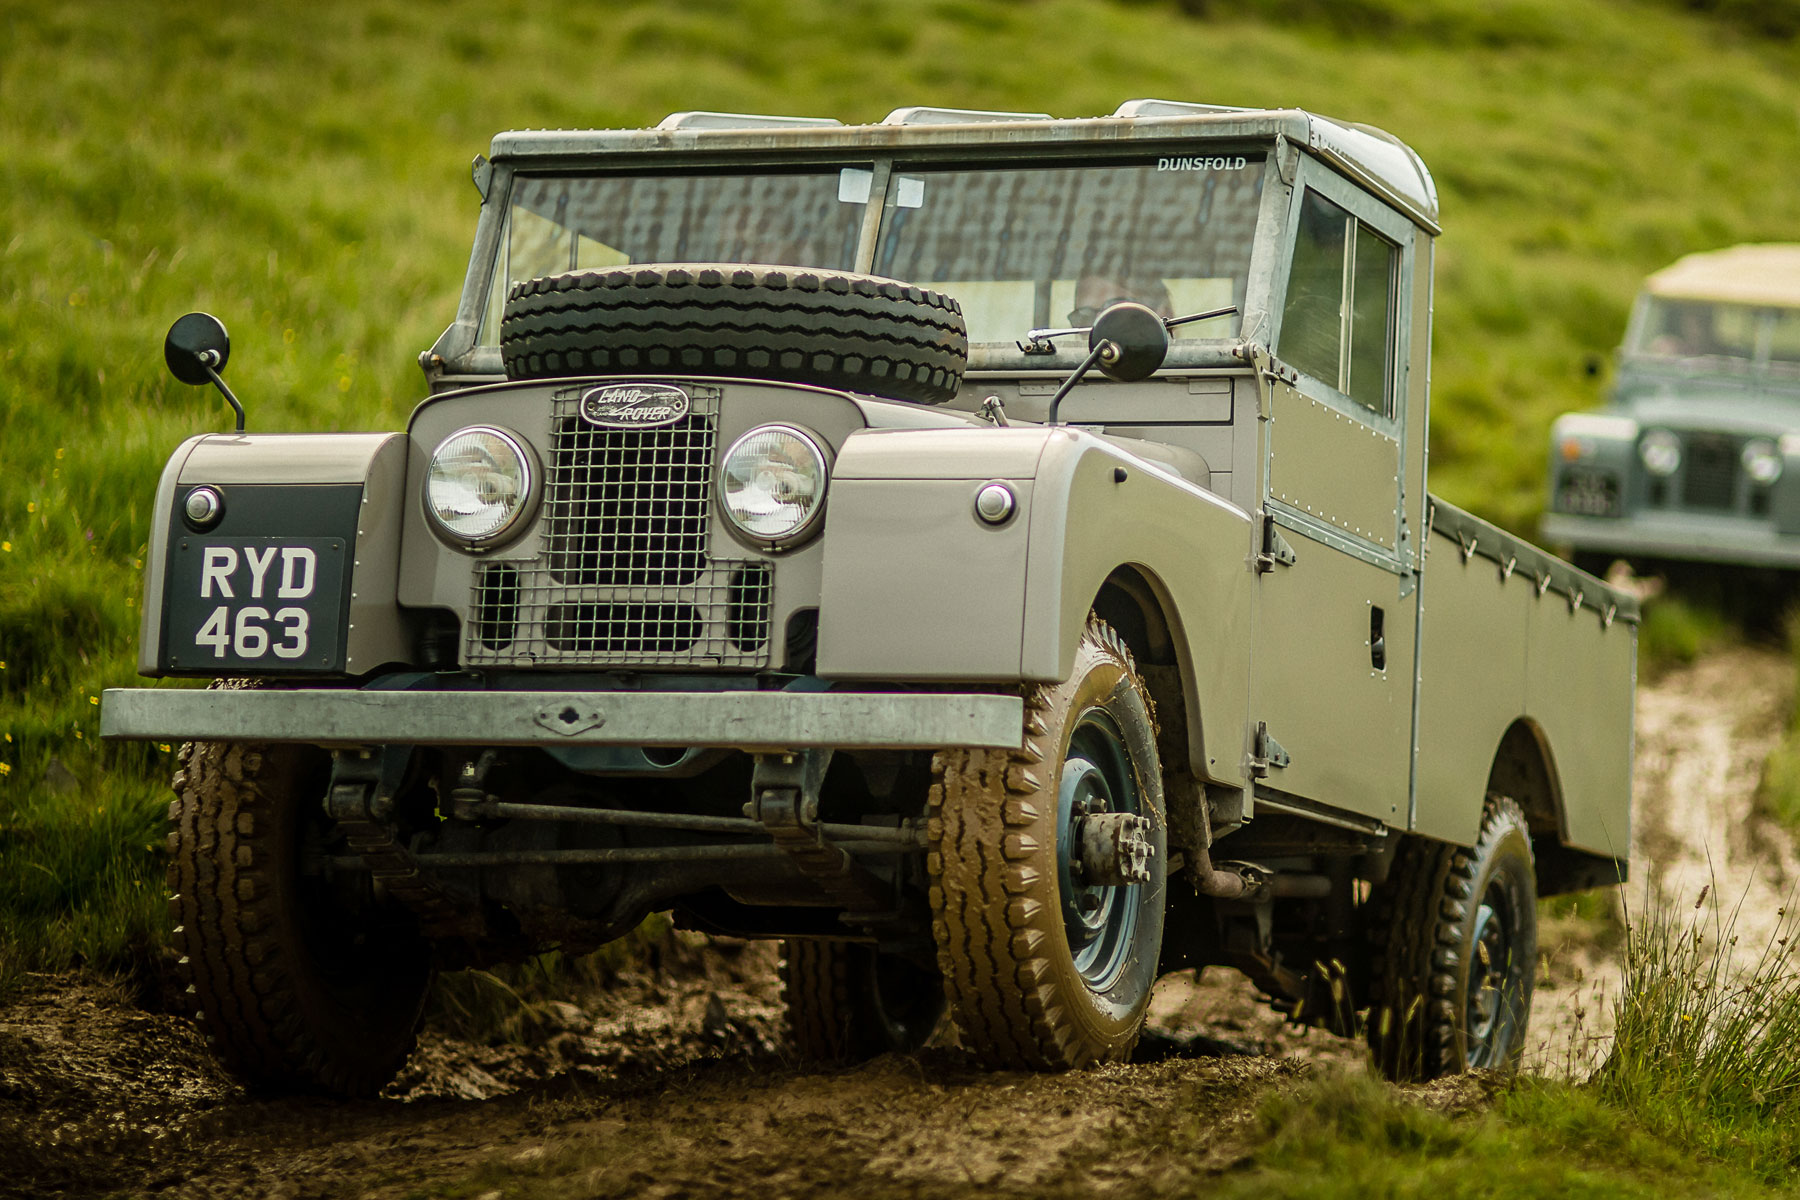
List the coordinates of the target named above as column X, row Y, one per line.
column 1690, row 459
column 866, row 651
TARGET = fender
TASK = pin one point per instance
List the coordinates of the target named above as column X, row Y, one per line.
column 903, row 506
column 249, row 468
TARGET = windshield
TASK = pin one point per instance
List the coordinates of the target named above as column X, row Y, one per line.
column 1038, row 245
column 793, row 218
column 1734, row 336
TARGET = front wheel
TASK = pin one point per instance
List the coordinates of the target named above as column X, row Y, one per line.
column 1454, row 933
column 297, row 984
column 1047, row 869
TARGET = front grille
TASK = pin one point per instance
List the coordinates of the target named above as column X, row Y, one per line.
column 629, row 507
column 625, row 576
column 1710, row 477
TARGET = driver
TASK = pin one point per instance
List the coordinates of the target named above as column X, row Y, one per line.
column 1095, row 292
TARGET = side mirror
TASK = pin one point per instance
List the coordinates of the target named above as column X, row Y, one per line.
column 196, row 350
column 1131, row 340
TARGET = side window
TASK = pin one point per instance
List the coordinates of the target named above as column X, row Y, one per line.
column 1338, row 322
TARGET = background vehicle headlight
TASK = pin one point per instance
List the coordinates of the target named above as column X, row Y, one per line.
column 773, row 483
column 1661, row 452
column 1762, row 461
column 478, row 485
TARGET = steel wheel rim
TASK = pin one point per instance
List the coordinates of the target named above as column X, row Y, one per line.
column 1099, row 921
column 1494, row 980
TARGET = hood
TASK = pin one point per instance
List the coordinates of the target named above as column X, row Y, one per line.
column 1696, row 406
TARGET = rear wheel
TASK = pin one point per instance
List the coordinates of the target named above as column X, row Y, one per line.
column 1047, row 866
column 1455, row 941
column 297, row 984
column 847, row 1002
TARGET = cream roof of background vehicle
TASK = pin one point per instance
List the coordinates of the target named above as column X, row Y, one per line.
column 1377, row 159
column 1768, row 274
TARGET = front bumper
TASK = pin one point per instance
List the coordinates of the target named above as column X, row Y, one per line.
column 1687, row 536
column 755, row 721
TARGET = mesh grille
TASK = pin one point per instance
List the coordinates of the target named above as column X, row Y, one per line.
column 1710, row 480
column 625, row 577
column 629, row 506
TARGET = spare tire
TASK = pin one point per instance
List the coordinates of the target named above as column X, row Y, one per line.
column 793, row 324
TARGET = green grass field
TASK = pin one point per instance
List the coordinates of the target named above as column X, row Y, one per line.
column 301, row 170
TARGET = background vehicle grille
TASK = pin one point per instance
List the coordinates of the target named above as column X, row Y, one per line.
column 1711, row 469
column 625, row 576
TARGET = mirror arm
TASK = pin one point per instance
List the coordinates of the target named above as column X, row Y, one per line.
column 1105, row 350
column 1172, row 322
column 209, row 360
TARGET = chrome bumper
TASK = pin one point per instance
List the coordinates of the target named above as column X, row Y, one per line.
column 760, row 721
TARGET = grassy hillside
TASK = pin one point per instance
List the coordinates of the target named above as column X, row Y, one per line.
column 301, row 170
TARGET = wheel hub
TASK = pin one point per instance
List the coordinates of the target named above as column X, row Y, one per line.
column 1113, row 848
column 1103, row 849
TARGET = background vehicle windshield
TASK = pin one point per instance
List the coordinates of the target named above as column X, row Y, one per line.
column 1034, row 246
column 801, row 219
column 1739, row 336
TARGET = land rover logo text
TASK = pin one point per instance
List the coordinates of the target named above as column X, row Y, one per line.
column 634, row 405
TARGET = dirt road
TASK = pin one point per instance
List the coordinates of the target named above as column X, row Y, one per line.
column 1703, row 734
column 675, row 1083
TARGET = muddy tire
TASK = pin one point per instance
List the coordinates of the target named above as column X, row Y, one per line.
column 797, row 325
column 847, row 1002
column 1041, row 970
column 295, row 986
column 1454, row 940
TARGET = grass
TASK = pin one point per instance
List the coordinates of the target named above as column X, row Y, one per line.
column 1707, row 1043
column 301, row 171
column 1676, row 630
column 1349, row 1135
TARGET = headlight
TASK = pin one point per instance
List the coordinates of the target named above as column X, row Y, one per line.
column 1762, row 461
column 480, row 481
column 773, row 483
column 1661, row 452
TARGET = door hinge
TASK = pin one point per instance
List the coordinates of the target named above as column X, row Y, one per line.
column 1266, row 752
column 1275, row 548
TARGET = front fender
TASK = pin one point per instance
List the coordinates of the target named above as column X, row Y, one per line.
column 917, row 588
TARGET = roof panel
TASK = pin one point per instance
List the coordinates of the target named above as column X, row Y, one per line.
column 1377, row 159
column 1760, row 274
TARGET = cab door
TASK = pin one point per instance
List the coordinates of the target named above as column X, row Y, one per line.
column 1334, row 645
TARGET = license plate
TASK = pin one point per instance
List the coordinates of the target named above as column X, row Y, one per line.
column 256, row 605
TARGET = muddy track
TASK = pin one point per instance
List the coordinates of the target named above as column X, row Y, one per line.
column 678, row 1082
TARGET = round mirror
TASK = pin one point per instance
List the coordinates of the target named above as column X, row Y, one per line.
column 196, row 335
column 1139, row 341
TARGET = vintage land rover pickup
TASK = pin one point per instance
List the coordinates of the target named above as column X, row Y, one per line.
column 1690, row 459
column 989, row 553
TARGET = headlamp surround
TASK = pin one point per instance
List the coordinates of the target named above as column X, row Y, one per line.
column 772, row 484
column 481, row 484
